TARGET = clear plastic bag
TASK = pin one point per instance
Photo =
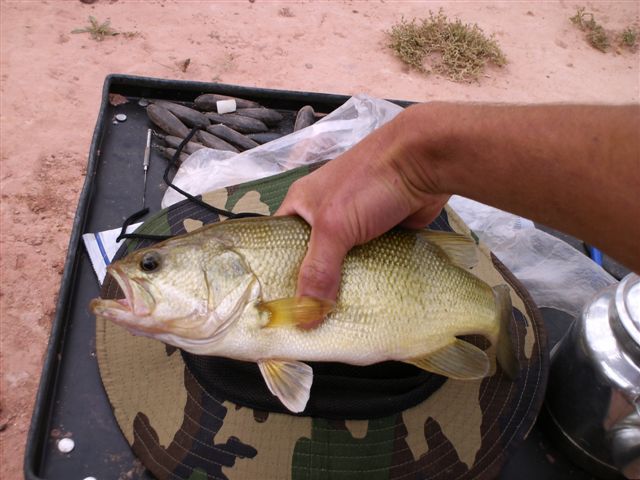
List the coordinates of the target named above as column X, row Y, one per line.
column 208, row 169
column 555, row 274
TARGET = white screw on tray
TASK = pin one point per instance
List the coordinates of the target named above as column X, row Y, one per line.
column 65, row 445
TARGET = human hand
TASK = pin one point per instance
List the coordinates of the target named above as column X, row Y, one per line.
column 356, row 197
column 573, row 168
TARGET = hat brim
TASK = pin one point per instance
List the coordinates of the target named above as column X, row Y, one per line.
column 466, row 429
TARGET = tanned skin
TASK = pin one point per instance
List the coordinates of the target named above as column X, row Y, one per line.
column 573, row 168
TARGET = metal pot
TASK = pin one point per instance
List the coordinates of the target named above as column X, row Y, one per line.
column 593, row 395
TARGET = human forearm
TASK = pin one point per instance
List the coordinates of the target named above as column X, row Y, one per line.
column 575, row 168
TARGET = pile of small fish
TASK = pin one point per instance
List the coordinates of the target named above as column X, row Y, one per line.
column 249, row 125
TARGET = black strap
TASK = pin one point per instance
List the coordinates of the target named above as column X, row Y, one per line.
column 173, row 164
column 142, row 236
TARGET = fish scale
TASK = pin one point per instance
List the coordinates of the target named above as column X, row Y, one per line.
column 396, row 257
column 398, row 260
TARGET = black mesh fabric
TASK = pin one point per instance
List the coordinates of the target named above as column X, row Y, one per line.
column 339, row 391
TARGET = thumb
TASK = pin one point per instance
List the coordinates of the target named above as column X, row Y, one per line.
column 427, row 213
column 321, row 268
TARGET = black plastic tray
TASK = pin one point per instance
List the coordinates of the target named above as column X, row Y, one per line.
column 71, row 400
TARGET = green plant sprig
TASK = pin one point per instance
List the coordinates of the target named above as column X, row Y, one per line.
column 98, row 31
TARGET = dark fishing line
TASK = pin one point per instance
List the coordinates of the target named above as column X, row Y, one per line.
column 140, row 236
column 173, row 164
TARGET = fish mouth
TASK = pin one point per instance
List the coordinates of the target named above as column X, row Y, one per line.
column 117, row 311
column 134, row 310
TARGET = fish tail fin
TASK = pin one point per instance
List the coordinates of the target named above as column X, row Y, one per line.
column 505, row 353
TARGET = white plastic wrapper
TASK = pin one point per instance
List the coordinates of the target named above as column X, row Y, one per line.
column 208, row 169
column 102, row 247
column 555, row 274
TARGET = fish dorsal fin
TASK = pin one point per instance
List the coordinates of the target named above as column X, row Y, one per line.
column 460, row 360
column 289, row 380
column 303, row 312
column 460, row 249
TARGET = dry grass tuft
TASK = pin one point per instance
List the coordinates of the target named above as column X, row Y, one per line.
column 286, row 12
column 451, row 48
column 601, row 39
column 596, row 35
column 629, row 38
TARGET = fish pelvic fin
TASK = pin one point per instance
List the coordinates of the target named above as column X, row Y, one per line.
column 459, row 360
column 461, row 250
column 289, row 380
column 303, row 312
column 505, row 353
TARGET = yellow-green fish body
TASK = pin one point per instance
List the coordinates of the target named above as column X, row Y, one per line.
column 228, row 290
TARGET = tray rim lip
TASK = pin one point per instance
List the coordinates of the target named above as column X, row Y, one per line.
column 42, row 409
column 233, row 90
column 36, row 437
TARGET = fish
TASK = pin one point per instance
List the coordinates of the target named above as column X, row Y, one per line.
column 229, row 135
column 240, row 123
column 305, row 117
column 228, row 290
column 188, row 116
column 264, row 137
column 267, row 116
column 215, row 142
column 169, row 153
column 175, row 142
column 167, row 121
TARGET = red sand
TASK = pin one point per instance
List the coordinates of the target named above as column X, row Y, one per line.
column 51, row 83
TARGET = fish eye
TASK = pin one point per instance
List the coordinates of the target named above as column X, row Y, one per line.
column 150, row 261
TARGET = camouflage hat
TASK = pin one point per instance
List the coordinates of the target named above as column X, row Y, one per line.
column 182, row 429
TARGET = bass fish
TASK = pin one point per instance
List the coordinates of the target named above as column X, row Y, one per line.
column 228, row 289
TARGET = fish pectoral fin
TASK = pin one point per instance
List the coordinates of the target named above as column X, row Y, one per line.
column 289, row 380
column 459, row 360
column 303, row 312
column 461, row 250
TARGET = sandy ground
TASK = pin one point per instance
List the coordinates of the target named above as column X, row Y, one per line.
column 51, row 83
